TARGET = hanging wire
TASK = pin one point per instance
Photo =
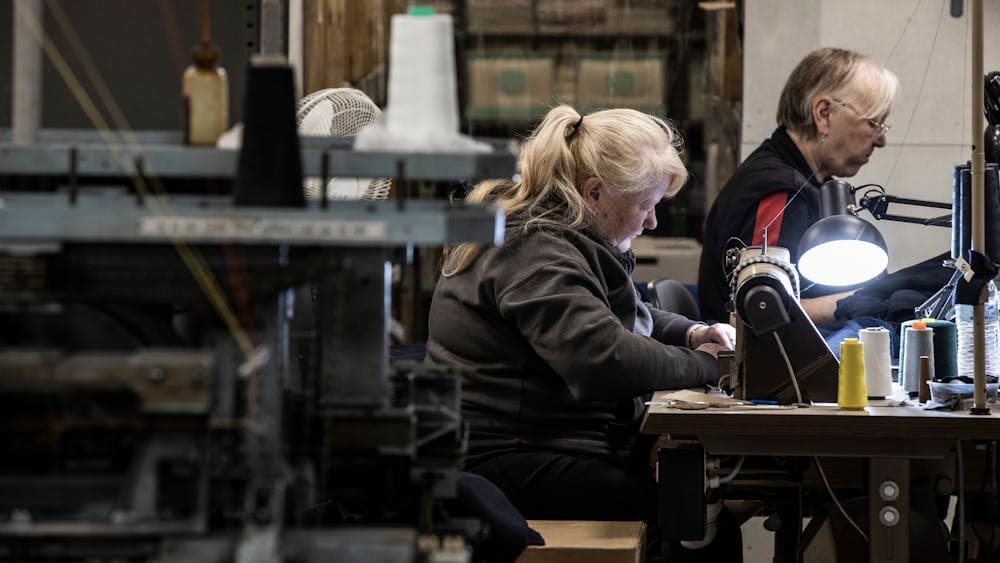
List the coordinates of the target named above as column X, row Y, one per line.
column 190, row 255
column 902, row 34
column 836, row 502
column 788, row 364
column 920, row 92
column 170, row 26
column 191, row 258
column 789, row 202
column 729, row 274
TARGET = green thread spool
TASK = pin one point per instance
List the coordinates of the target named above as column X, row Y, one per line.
column 945, row 349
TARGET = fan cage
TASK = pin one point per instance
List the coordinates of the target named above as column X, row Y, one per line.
column 340, row 112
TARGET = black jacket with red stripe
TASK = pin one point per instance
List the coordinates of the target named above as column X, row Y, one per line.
column 760, row 194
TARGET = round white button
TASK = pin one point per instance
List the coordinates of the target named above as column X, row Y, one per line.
column 889, row 516
column 888, row 490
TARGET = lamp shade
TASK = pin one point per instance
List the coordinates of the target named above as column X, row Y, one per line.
column 842, row 250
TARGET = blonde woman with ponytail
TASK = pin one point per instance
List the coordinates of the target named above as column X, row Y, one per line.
column 555, row 347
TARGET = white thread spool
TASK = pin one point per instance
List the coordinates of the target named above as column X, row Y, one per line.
column 422, row 107
column 422, row 88
column 878, row 371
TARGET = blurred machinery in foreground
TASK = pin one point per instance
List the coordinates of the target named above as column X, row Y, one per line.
column 187, row 379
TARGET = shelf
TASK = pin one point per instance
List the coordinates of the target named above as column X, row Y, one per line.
column 34, row 222
column 54, row 157
column 573, row 19
column 563, row 31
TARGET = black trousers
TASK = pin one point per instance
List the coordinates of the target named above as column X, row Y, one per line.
column 554, row 486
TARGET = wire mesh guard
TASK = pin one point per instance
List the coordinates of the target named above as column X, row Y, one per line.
column 340, row 112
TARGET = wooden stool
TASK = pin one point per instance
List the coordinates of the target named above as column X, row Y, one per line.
column 582, row 541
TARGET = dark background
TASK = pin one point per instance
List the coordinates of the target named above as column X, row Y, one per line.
column 140, row 48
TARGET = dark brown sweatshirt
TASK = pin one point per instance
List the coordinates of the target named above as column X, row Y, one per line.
column 556, row 348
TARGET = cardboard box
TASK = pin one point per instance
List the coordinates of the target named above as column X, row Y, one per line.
column 580, row 541
column 510, row 86
column 499, row 16
column 668, row 257
column 604, row 81
column 643, row 17
column 570, row 13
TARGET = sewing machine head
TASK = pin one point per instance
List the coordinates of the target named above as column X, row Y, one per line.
column 779, row 353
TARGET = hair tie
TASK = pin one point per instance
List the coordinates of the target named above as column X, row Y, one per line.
column 579, row 122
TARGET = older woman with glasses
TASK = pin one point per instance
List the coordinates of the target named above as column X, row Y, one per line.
column 831, row 117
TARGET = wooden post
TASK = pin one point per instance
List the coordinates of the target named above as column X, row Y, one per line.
column 347, row 44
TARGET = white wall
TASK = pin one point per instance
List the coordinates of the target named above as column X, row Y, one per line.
column 931, row 117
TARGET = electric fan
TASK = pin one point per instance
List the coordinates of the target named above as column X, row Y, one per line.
column 340, row 112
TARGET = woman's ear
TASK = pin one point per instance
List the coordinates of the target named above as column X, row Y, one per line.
column 592, row 189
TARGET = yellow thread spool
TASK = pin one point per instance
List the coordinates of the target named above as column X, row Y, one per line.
column 852, row 392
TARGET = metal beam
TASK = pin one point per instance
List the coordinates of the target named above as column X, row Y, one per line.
column 45, row 218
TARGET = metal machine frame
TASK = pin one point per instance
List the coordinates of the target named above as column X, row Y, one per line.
column 233, row 453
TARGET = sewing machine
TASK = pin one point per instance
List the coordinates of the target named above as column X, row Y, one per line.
column 779, row 353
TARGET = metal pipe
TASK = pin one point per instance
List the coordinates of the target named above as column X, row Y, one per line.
column 978, row 208
column 273, row 29
column 26, row 105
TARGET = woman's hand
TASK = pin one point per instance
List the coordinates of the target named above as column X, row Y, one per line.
column 720, row 334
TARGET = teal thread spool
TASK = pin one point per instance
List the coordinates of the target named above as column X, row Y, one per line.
column 945, row 349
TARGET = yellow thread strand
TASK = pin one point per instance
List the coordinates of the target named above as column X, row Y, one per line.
column 194, row 263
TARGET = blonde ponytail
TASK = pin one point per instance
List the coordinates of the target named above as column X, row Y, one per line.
column 625, row 149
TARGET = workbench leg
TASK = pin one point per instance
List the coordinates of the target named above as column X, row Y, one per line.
column 888, row 509
column 789, row 527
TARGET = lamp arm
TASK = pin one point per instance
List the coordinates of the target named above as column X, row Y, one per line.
column 878, row 206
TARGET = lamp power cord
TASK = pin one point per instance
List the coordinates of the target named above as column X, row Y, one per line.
column 819, row 466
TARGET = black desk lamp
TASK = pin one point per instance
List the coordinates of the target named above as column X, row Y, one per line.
column 842, row 249
column 841, row 238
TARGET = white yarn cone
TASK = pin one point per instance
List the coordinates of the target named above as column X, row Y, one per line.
column 878, row 371
column 422, row 109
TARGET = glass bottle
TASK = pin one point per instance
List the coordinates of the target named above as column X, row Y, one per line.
column 206, row 98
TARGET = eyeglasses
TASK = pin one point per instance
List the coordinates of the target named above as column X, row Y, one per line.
column 879, row 128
